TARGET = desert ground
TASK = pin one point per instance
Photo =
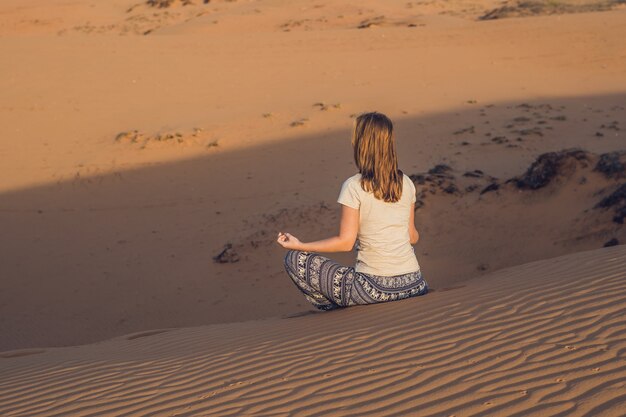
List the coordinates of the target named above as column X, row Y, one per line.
column 153, row 149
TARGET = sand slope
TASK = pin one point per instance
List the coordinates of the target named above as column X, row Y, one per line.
column 546, row 338
column 106, row 237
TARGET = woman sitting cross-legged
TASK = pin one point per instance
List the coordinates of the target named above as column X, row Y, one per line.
column 378, row 215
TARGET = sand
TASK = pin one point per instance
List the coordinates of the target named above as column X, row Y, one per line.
column 140, row 141
column 544, row 338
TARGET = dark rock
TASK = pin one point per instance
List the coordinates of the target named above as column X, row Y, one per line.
column 616, row 197
column 469, row 130
column 497, row 13
column 532, row 131
column 612, row 242
column 471, row 188
column 549, row 166
column 611, row 166
column 451, row 189
column 523, row 8
column 440, row 169
column 499, row 139
column 614, row 125
column 617, row 200
column 161, row 4
column 418, row 178
column 373, row 22
column 620, row 215
column 491, row 187
column 227, row 255
column 477, row 173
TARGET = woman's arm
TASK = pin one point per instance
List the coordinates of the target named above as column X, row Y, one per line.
column 414, row 236
column 348, row 230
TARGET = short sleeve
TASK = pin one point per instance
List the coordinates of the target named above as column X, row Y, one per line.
column 413, row 191
column 349, row 194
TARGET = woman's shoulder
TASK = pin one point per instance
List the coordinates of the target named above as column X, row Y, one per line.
column 408, row 182
column 406, row 178
column 355, row 179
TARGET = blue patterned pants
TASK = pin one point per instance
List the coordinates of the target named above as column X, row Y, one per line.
column 328, row 285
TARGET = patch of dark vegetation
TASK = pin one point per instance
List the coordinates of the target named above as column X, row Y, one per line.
column 612, row 164
column 536, row 131
column 477, row 173
column 418, row 178
column 614, row 125
column 494, row 186
column 612, row 242
column 437, row 179
column 144, row 140
column 227, row 255
column 617, row 201
column 163, row 4
column 440, row 169
column 442, row 180
column 373, row 22
column 499, row 140
column 554, row 169
column 470, row 130
column 523, row 8
column 550, row 166
column 300, row 122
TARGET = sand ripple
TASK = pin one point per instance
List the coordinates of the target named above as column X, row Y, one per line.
column 545, row 338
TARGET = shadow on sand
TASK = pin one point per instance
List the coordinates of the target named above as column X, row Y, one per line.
column 101, row 256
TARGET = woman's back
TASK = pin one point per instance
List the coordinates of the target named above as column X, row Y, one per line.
column 383, row 246
column 377, row 216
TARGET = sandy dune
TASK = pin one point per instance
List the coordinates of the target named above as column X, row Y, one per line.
column 129, row 162
column 141, row 139
column 540, row 339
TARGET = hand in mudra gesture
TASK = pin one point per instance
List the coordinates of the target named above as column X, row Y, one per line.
column 288, row 241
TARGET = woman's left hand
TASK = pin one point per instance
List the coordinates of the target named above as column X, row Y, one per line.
column 288, row 241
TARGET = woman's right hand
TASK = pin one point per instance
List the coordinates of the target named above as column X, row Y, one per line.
column 288, row 241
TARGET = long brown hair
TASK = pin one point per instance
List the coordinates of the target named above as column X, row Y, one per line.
column 375, row 156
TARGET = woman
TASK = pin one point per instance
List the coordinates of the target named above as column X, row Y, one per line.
column 378, row 210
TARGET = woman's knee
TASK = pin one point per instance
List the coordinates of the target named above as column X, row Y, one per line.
column 290, row 259
column 292, row 255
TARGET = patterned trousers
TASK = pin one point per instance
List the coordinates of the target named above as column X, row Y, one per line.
column 329, row 285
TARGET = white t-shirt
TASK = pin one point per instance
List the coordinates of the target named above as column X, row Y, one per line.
column 383, row 241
